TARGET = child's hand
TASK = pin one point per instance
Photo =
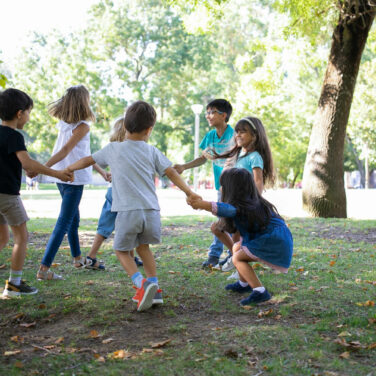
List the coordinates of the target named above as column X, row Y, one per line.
column 194, row 201
column 65, row 175
column 178, row 168
column 108, row 177
column 194, row 196
column 31, row 174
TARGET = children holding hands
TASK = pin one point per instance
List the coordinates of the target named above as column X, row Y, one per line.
column 133, row 164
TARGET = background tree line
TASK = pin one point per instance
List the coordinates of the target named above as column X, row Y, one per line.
column 267, row 57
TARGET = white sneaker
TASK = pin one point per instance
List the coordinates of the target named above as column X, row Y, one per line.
column 234, row 275
column 228, row 265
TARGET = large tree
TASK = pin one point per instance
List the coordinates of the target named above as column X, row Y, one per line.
column 323, row 178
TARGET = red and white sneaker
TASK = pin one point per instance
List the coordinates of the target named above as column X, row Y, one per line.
column 158, row 299
column 145, row 295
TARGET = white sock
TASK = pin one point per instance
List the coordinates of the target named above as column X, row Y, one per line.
column 15, row 277
column 243, row 284
column 259, row 289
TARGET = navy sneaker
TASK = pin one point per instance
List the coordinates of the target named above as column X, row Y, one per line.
column 256, row 297
column 138, row 261
column 237, row 287
column 211, row 262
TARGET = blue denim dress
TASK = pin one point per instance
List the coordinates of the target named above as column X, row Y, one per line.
column 274, row 245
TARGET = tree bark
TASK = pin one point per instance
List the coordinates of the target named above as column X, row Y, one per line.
column 323, row 178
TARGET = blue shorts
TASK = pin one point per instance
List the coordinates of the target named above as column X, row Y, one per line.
column 106, row 222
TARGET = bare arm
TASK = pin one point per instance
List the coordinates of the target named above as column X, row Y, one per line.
column 186, row 166
column 172, row 174
column 81, row 163
column 33, row 168
column 106, row 175
column 77, row 134
column 200, row 204
column 259, row 179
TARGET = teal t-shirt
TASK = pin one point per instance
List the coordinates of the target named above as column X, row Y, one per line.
column 220, row 145
column 249, row 162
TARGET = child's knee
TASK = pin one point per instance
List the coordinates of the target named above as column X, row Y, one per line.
column 214, row 229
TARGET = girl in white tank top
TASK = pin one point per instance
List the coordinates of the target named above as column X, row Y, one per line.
column 73, row 143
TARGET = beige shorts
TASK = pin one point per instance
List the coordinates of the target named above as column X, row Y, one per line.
column 135, row 227
column 12, row 211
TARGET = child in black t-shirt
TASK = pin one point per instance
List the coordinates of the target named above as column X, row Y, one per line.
column 15, row 108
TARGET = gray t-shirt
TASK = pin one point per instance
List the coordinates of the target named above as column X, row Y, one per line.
column 133, row 165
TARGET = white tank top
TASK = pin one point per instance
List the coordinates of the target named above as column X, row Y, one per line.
column 81, row 150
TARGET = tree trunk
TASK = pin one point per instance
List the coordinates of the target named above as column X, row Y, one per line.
column 323, row 178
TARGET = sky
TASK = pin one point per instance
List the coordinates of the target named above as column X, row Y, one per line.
column 20, row 17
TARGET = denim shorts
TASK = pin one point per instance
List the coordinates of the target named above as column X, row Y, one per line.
column 12, row 211
column 106, row 222
column 136, row 227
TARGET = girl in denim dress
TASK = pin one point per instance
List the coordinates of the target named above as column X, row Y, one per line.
column 264, row 235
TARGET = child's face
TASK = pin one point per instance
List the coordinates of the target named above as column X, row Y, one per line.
column 244, row 138
column 23, row 117
column 215, row 117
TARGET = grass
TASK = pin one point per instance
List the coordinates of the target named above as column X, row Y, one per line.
column 321, row 321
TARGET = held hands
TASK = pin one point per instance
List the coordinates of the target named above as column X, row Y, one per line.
column 194, row 200
column 107, row 176
column 31, row 174
column 65, row 175
column 178, row 168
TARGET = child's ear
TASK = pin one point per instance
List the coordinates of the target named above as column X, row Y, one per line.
column 19, row 114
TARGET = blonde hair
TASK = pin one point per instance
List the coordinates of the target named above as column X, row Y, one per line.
column 118, row 131
column 73, row 106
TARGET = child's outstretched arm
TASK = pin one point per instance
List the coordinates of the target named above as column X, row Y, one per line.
column 33, row 168
column 186, row 166
column 81, row 163
column 173, row 175
column 77, row 134
column 199, row 204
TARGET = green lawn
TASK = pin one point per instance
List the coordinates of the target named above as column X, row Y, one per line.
column 321, row 320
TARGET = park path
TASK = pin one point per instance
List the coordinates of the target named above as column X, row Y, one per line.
column 361, row 203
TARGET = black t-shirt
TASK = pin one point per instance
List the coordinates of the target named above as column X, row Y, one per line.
column 10, row 166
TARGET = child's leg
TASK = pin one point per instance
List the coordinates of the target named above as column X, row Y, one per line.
column 106, row 225
column 20, row 236
column 127, row 262
column 71, row 197
column 4, row 235
column 73, row 238
column 147, row 257
column 224, row 237
column 98, row 240
column 247, row 274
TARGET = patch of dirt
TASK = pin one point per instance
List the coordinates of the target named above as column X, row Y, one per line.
column 335, row 233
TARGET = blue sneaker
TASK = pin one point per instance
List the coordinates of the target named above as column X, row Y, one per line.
column 256, row 297
column 237, row 287
column 211, row 262
column 138, row 261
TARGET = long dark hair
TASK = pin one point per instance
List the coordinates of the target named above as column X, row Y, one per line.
column 255, row 127
column 239, row 190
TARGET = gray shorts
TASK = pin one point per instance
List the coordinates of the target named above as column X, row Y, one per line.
column 12, row 211
column 135, row 227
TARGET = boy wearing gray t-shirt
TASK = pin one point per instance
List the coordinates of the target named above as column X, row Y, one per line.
column 133, row 164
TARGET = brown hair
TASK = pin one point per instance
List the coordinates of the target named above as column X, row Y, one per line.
column 139, row 116
column 73, row 106
column 118, row 131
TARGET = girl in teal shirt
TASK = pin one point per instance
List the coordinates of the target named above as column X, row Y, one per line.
column 251, row 152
